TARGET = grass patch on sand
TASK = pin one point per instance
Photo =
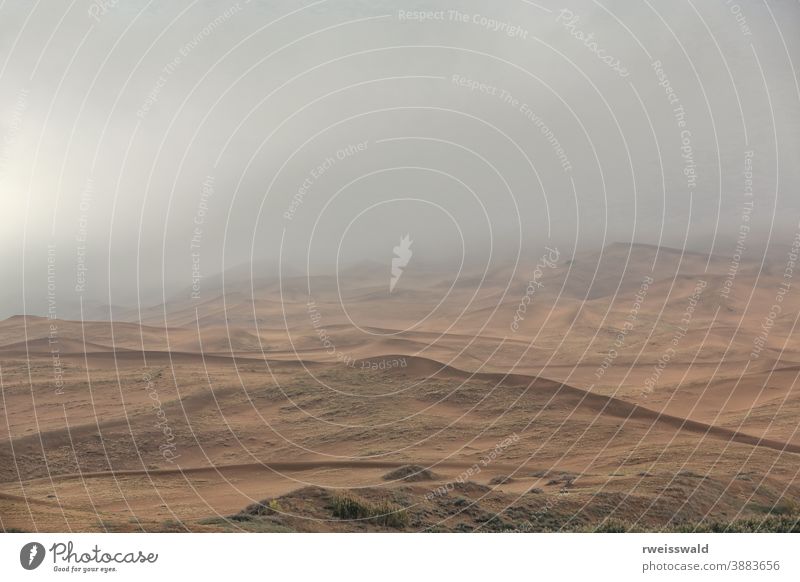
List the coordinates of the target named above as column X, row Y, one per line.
column 347, row 505
column 247, row 523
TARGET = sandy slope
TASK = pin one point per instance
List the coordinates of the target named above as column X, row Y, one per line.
column 627, row 387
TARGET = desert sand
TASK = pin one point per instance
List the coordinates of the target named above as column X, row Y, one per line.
column 632, row 387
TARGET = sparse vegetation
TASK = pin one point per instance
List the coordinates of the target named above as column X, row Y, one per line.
column 171, row 525
column 781, row 507
column 240, row 522
column 612, row 526
column 109, row 526
column 771, row 524
column 501, row 480
column 410, row 473
column 350, row 506
column 266, row 507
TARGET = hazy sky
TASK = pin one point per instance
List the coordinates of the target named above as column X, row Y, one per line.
column 150, row 141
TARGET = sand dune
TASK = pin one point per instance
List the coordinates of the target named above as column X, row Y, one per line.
column 623, row 376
